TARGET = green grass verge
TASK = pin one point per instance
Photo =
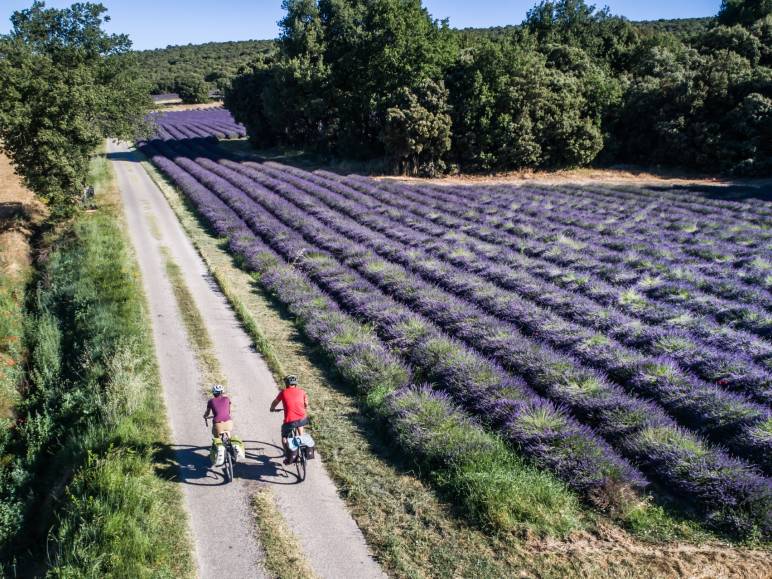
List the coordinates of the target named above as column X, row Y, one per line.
column 82, row 493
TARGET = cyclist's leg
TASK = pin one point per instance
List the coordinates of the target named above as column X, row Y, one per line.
column 286, row 429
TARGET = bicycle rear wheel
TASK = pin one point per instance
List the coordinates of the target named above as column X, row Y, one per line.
column 228, row 470
column 300, row 464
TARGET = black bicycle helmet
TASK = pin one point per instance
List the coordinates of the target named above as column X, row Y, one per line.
column 291, row 380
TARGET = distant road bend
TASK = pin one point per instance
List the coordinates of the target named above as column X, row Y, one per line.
column 221, row 516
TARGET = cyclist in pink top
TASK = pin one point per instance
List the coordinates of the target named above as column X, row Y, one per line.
column 219, row 407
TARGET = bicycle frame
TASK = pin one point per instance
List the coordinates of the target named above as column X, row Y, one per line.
column 230, row 454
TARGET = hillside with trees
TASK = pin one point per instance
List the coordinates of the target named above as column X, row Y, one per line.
column 571, row 86
column 193, row 70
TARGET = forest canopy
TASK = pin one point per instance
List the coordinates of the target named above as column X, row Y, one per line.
column 571, row 85
column 197, row 69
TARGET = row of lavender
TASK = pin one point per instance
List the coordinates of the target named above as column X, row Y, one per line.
column 196, row 124
column 488, row 347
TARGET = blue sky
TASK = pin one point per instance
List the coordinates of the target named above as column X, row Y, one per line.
column 158, row 23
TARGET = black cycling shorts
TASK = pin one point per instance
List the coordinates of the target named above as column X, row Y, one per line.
column 286, row 429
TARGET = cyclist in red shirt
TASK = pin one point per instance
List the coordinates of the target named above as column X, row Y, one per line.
column 294, row 402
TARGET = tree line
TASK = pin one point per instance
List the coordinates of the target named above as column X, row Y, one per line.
column 570, row 86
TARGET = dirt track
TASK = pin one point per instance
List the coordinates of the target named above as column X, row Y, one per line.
column 220, row 515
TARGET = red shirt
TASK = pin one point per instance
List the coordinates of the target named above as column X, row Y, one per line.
column 294, row 402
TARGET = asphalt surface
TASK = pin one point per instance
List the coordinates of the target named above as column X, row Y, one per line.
column 221, row 518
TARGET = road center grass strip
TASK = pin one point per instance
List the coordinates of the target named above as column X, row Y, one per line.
column 83, row 491
column 198, row 336
column 283, row 554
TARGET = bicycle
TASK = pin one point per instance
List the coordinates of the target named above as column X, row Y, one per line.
column 301, row 457
column 230, row 454
column 302, row 453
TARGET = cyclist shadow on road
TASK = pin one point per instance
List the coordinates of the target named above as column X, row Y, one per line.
column 264, row 463
column 191, row 464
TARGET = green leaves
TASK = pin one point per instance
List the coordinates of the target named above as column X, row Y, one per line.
column 191, row 89
column 65, row 90
column 417, row 129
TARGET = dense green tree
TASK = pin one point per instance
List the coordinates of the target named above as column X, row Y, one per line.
column 302, row 33
column 762, row 29
column 417, row 129
column 346, row 70
column 296, row 98
column 374, row 49
column 66, row 86
column 244, row 99
column 191, row 89
column 575, row 23
column 704, row 110
column 514, row 107
column 734, row 38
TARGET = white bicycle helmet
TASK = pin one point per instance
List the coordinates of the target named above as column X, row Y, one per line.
column 217, row 389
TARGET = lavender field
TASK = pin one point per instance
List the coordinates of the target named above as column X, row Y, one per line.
column 196, row 124
column 620, row 339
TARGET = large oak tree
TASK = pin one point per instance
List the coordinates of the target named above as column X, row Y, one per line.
column 66, row 86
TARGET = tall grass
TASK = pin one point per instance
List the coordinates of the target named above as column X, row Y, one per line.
column 81, row 485
column 11, row 342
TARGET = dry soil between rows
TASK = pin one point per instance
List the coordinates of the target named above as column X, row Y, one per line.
column 221, row 521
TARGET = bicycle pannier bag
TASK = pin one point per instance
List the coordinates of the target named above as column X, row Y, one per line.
column 238, row 444
column 217, row 452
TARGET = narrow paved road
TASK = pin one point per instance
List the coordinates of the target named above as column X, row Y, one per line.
column 221, row 516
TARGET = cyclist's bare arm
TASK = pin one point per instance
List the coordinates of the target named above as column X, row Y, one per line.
column 274, row 404
column 305, row 400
